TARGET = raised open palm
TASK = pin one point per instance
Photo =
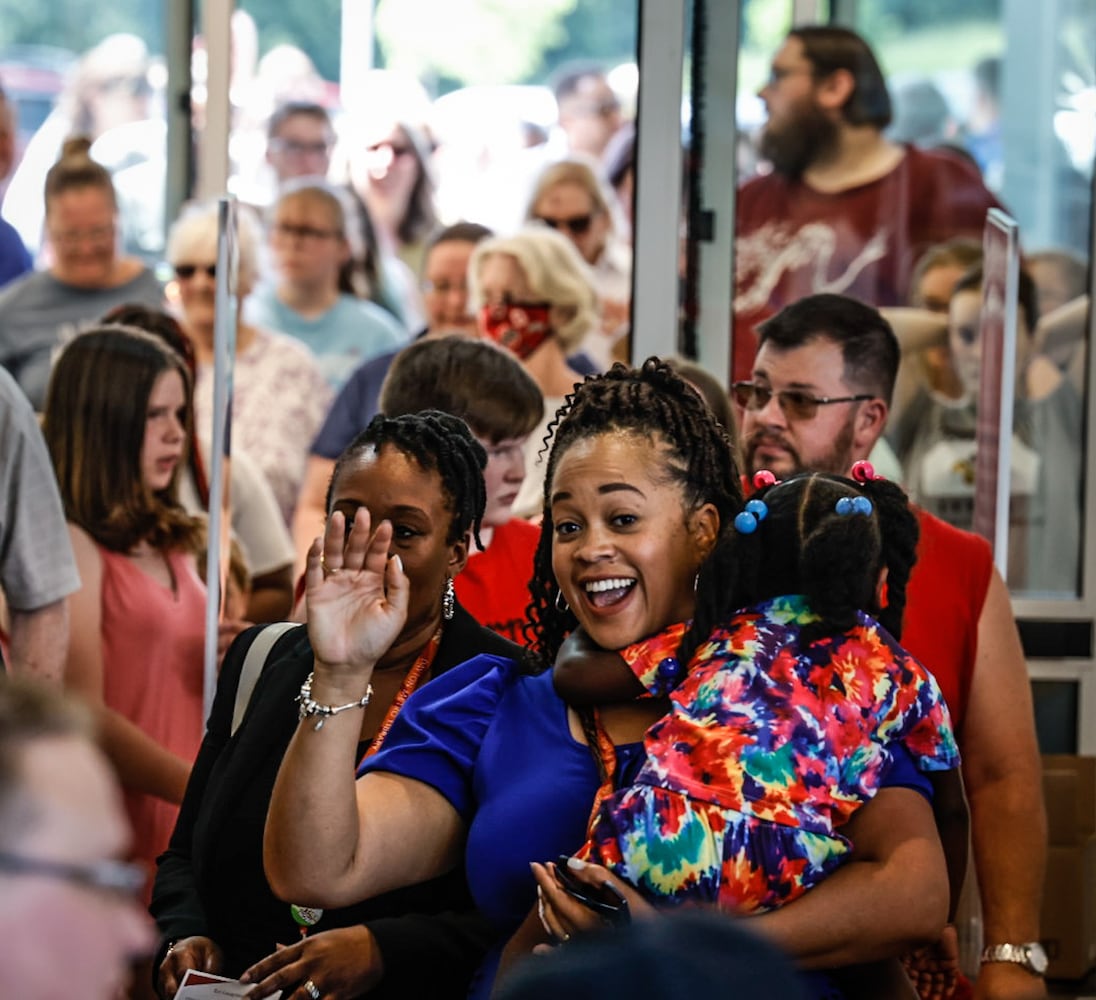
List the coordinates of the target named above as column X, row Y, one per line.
column 356, row 596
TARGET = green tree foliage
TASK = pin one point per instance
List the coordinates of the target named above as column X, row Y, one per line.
column 78, row 24
column 471, row 41
column 313, row 27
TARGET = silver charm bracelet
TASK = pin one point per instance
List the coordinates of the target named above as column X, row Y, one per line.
column 310, row 707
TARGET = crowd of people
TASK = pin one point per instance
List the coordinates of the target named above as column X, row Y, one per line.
column 575, row 644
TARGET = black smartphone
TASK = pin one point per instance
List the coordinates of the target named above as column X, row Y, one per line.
column 605, row 899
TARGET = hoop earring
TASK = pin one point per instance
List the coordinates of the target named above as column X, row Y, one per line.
column 561, row 603
column 448, row 600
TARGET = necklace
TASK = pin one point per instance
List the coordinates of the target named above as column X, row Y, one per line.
column 308, row 916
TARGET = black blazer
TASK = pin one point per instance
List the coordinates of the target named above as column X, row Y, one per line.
column 210, row 880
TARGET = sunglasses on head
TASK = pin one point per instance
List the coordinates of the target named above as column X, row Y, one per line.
column 577, row 225
column 187, row 271
column 795, row 403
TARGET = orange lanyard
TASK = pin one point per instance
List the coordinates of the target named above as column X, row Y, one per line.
column 609, row 762
column 419, row 669
column 306, row 916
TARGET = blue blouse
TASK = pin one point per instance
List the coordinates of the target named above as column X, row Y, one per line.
column 497, row 745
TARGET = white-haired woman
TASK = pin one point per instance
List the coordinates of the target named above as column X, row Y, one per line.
column 535, row 296
column 280, row 395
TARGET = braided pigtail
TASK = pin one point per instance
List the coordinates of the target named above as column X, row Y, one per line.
column 900, row 532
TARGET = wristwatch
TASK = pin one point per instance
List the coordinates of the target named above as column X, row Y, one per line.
column 1029, row 955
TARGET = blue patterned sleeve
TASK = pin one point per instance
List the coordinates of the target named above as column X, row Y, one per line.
column 437, row 736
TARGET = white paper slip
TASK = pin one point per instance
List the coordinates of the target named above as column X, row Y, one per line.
column 205, row 986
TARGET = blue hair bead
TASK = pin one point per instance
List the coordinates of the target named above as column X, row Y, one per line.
column 745, row 523
column 844, row 506
column 758, row 509
column 862, row 505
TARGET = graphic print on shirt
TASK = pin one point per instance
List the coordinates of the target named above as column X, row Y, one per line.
column 765, row 256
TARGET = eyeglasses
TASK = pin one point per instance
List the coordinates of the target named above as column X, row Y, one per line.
column 577, row 225
column 98, row 236
column 184, row 272
column 396, row 149
column 508, row 450
column 291, row 147
column 291, row 232
column 778, row 73
column 968, row 335
column 597, row 109
column 118, row 877
column 444, row 287
column 794, row 403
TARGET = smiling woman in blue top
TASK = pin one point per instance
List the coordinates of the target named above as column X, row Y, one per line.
column 490, row 761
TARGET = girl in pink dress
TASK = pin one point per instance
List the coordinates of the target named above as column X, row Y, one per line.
column 116, row 422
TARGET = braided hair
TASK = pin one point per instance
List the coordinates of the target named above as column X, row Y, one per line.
column 804, row 546
column 649, row 401
column 438, row 441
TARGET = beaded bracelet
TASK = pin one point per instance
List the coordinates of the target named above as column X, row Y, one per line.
column 310, row 707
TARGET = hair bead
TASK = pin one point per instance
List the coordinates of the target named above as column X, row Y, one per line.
column 863, row 472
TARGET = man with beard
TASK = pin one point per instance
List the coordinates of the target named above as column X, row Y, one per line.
column 817, row 400
column 844, row 209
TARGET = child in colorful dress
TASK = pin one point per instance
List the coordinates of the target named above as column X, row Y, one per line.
column 787, row 717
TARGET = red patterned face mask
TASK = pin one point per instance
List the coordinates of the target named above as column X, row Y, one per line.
column 520, row 326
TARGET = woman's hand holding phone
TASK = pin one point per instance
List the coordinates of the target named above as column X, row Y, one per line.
column 595, row 897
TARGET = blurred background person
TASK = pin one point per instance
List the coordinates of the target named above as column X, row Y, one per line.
column 536, row 297
column 1060, row 276
column 299, row 140
column 87, row 276
column 37, row 569
column 569, row 198
column 107, row 89
column 71, row 918
column 14, row 258
column 280, row 395
column 314, row 297
column 589, row 109
column 387, row 153
column 619, row 167
column 445, row 293
column 938, row 455
column 921, row 115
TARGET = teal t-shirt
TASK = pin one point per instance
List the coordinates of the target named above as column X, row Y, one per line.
column 350, row 332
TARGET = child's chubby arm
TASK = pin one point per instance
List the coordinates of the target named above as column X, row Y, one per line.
column 585, row 674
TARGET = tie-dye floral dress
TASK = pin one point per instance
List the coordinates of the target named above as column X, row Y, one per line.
column 768, row 749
